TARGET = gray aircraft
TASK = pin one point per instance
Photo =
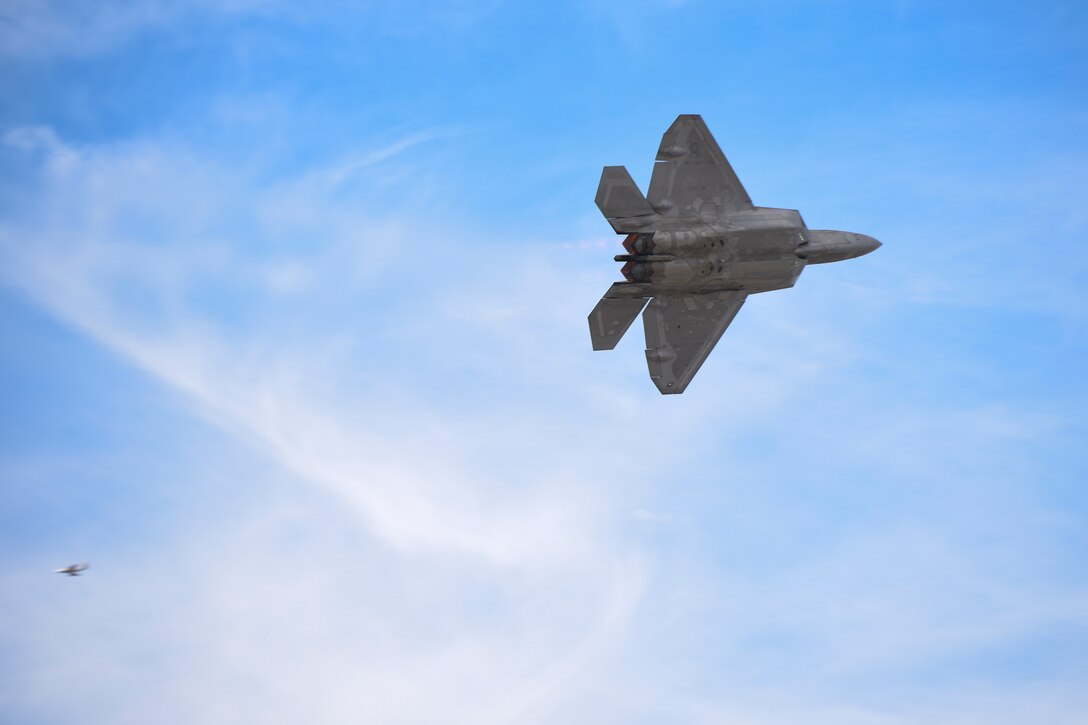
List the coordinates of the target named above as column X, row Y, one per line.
column 73, row 569
column 697, row 247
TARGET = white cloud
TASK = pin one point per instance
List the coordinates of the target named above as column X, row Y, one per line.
column 509, row 550
column 46, row 29
column 50, row 29
column 236, row 383
column 536, row 545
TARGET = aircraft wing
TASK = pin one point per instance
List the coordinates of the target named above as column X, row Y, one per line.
column 682, row 330
column 692, row 179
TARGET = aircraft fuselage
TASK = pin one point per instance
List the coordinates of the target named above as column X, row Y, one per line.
column 760, row 250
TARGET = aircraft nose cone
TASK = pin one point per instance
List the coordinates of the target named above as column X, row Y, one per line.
column 867, row 244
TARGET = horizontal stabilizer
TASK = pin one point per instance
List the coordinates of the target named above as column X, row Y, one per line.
column 622, row 203
column 610, row 319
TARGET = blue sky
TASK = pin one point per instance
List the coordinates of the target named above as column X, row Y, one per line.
column 294, row 352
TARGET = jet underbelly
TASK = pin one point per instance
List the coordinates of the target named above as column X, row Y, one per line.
column 755, row 260
column 761, row 260
column 764, row 275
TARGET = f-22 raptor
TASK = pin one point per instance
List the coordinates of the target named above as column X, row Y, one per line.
column 697, row 247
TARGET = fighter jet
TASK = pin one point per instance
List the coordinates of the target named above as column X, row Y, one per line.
column 696, row 248
column 72, row 570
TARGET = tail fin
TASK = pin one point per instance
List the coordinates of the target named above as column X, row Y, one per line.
column 621, row 202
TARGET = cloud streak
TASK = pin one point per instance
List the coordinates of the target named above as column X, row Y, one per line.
column 412, row 493
column 250, row 393
column 474, row 551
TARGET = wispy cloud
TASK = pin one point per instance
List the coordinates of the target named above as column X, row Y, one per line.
column 347, row 168
column 236, row 385
column 510, row 551
column 411, row 493
column 61, row 28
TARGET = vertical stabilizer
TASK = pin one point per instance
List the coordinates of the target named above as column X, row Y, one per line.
column 622, row 203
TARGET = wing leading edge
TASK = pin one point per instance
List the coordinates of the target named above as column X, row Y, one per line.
column 682, row 330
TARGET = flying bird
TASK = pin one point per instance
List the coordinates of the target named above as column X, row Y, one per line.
column 696, row 248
